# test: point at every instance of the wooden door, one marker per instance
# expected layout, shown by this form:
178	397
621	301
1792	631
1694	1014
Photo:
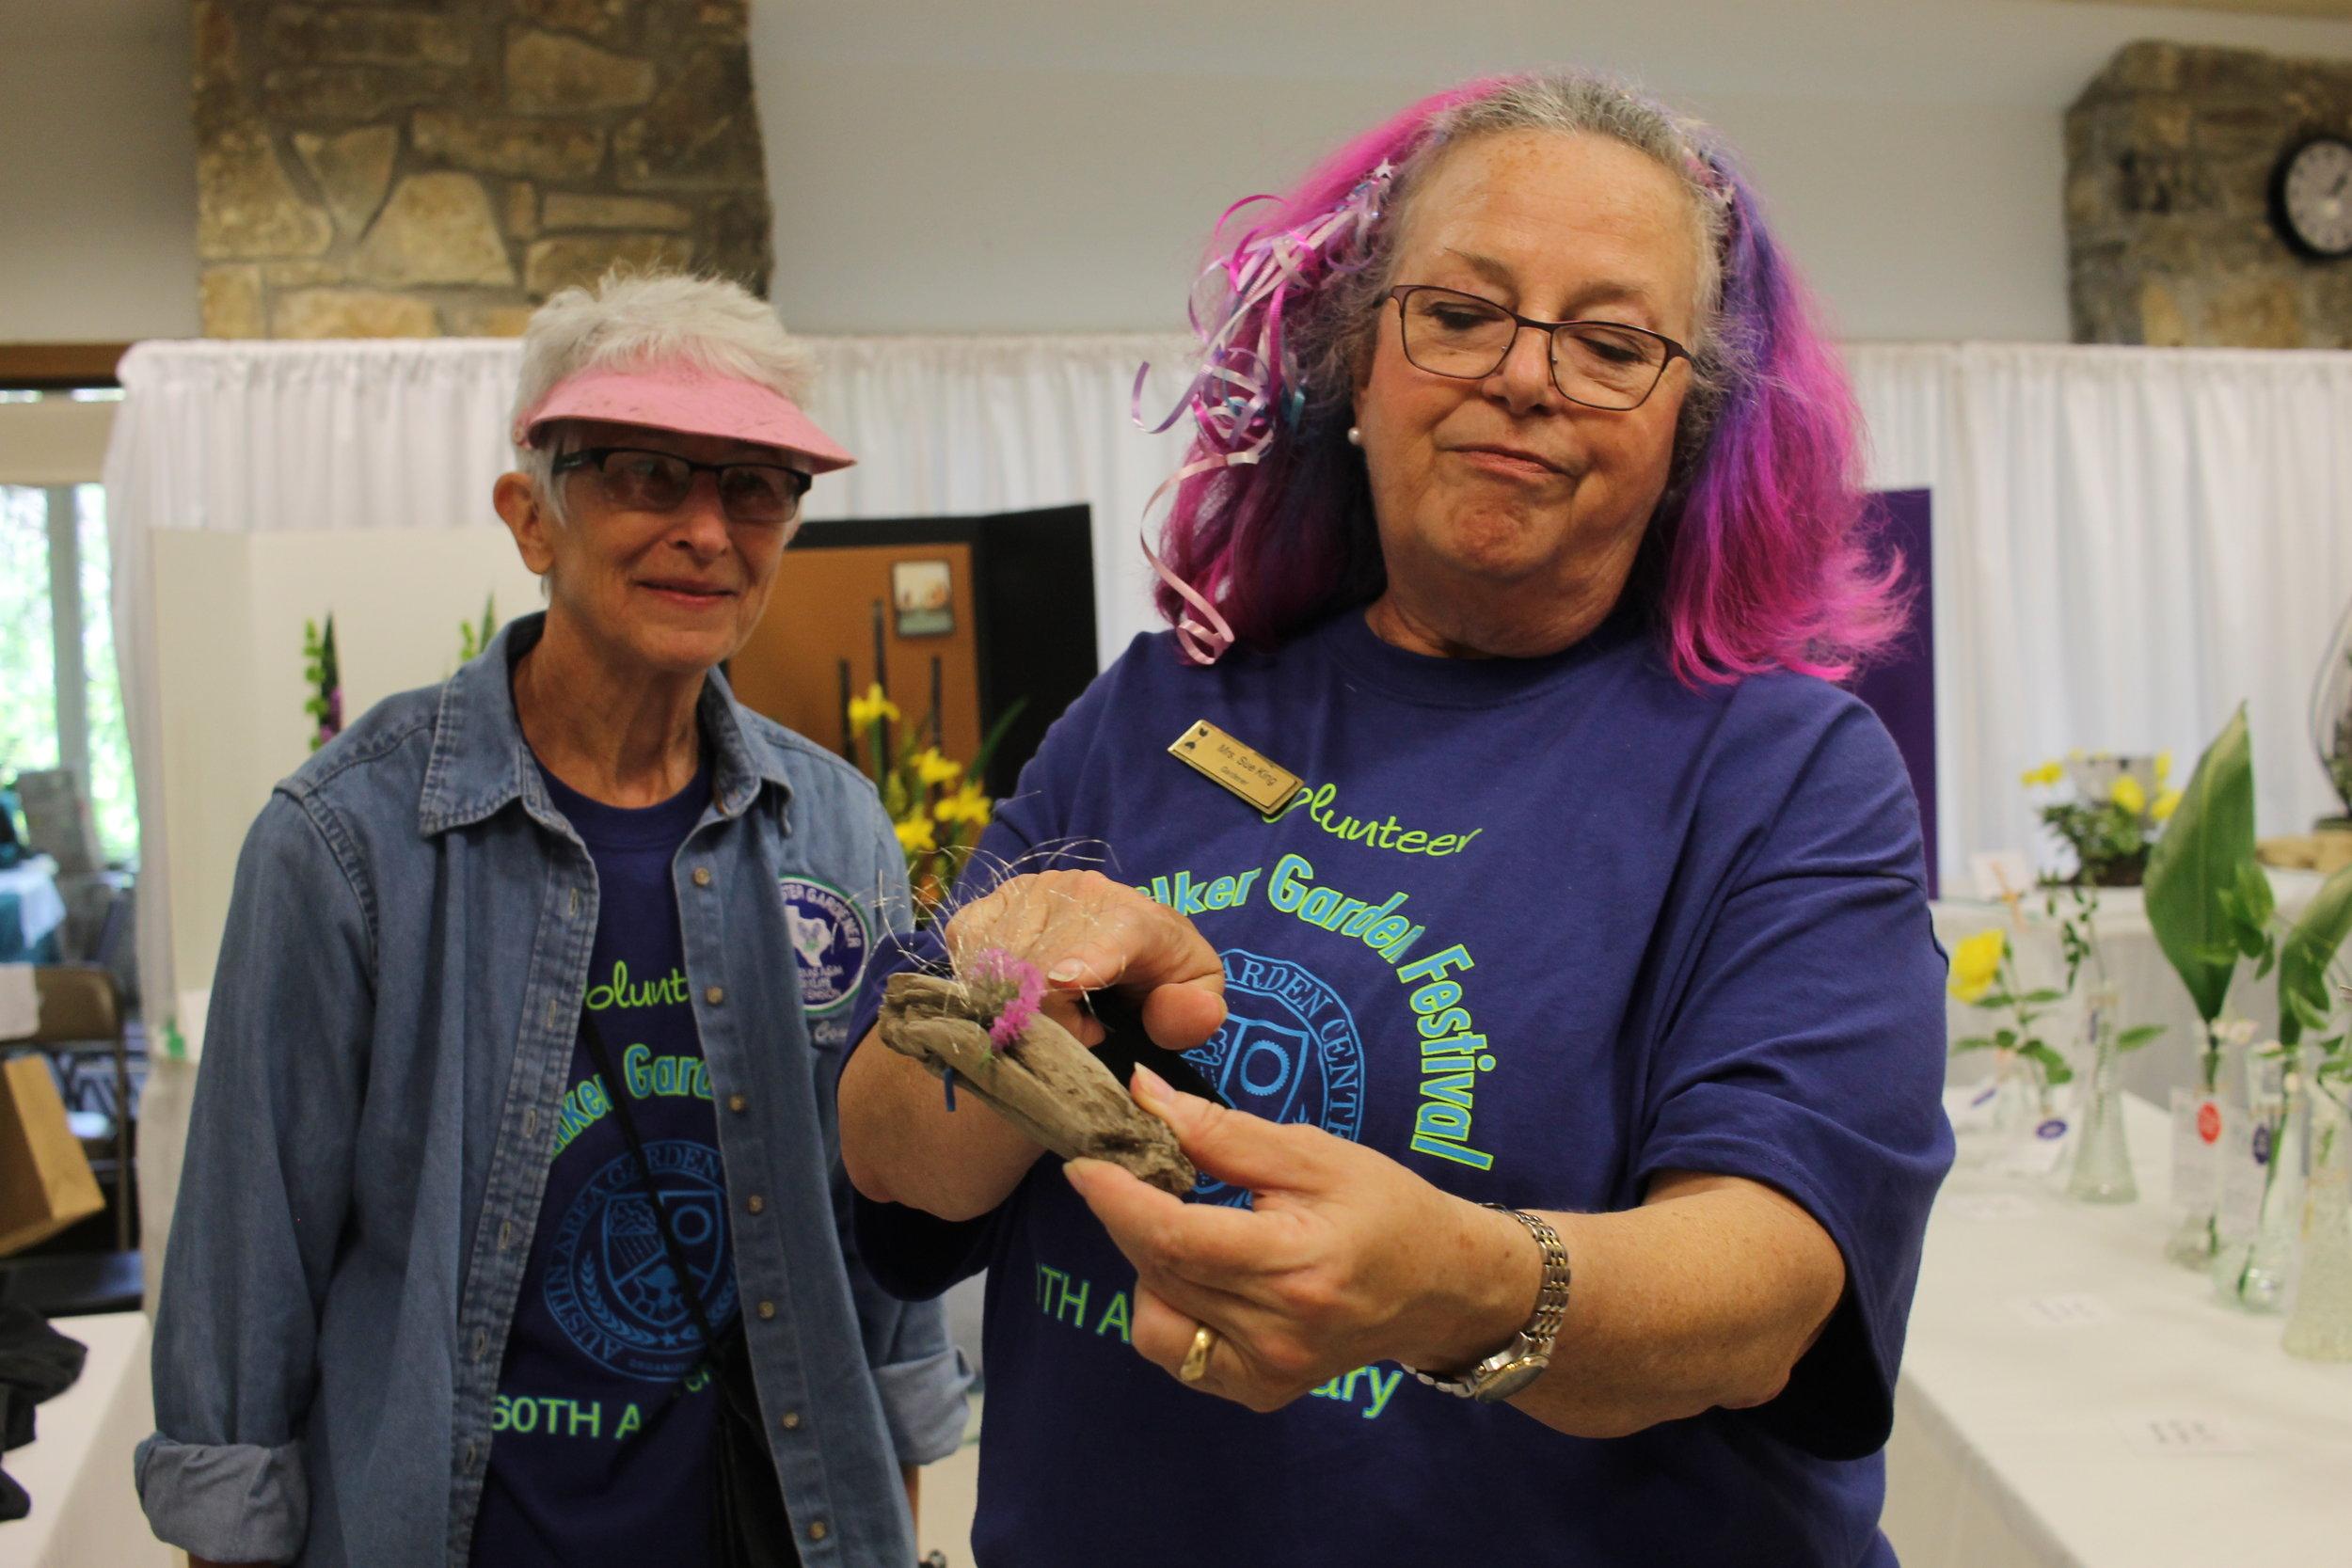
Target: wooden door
823	612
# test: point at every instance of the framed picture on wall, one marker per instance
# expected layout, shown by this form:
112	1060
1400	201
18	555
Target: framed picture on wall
920	596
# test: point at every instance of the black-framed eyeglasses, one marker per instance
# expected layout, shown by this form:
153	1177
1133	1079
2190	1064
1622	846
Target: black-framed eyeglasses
642	480
1598	364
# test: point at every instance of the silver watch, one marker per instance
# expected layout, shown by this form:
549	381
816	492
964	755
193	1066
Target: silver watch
1524	1359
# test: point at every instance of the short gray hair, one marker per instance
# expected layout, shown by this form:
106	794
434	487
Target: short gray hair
1336	339
628	318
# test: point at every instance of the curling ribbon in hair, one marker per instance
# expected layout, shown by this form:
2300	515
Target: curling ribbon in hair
1245	394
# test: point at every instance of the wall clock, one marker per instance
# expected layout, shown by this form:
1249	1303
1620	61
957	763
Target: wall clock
2310	197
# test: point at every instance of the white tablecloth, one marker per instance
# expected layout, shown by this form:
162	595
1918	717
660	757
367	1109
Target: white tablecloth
85	1512
2046	1334
41	908
2149	988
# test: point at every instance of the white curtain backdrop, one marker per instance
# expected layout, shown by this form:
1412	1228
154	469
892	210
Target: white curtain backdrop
261	437
2127	542
950	425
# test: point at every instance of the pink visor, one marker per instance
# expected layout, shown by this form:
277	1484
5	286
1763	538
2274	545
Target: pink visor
691	401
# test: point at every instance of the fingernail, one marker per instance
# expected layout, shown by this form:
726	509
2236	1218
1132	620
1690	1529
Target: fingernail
1149	1084
1066	972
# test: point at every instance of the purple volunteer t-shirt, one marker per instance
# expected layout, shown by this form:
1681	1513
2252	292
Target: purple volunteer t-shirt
604	1422
1537	929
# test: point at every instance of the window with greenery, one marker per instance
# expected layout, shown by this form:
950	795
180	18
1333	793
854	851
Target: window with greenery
55	577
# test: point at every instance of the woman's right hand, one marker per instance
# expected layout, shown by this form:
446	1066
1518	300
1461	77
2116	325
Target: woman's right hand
1087	932
1083	932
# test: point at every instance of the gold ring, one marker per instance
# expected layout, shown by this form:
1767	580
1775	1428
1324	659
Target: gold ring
1196	1365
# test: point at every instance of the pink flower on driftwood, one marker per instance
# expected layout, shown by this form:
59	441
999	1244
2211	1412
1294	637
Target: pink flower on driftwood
1018	985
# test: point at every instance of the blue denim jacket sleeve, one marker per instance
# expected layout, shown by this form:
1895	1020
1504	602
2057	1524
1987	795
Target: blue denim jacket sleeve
269	1162
921	1375
922	1378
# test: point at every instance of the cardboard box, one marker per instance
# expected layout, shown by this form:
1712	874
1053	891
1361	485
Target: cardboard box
46	1183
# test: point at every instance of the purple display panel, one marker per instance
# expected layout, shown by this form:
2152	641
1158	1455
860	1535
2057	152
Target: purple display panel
1900	685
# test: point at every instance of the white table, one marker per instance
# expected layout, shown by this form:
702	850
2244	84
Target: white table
2149	988
2011	1443
85	1512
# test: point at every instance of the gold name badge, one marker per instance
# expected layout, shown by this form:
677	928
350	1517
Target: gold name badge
1263	783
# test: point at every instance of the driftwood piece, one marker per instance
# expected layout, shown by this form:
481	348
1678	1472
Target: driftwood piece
1043	1082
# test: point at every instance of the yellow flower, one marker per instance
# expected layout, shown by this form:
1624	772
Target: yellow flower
915	837
935	770
2163	765
2048	773
2126	792
967	804
1977	962
874	704
2166	804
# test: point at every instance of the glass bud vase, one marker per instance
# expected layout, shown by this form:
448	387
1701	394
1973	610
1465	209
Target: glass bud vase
2196	1238
2011	1107
2256	1270
2018	1096
2320	1328
2102	1155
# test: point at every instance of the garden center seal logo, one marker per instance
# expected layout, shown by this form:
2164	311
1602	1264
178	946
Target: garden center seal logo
830	943
608	1282
1288	1051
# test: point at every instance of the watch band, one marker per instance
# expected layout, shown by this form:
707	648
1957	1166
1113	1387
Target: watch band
1518	1363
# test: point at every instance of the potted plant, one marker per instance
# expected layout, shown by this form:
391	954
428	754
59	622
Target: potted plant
2116	808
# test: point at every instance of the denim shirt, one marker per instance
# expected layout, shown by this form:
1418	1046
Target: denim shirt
396	1002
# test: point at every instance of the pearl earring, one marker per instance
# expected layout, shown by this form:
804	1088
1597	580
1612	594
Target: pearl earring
1355	435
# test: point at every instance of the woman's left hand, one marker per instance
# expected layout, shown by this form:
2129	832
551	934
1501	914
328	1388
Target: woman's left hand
1346	1257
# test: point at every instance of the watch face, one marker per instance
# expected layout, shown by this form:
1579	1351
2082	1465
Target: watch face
2315	196
1507	1381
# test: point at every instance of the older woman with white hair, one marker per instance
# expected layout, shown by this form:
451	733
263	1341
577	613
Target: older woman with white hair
509	1227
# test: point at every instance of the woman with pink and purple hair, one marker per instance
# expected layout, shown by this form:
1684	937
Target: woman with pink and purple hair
1565	1029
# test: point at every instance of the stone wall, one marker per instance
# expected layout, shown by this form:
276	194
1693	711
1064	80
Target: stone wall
439	166
2169	154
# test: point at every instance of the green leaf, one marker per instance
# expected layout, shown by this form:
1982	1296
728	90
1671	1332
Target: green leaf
2053	1067
2042	998
2208	843
2006	1040
2254	891
2139	1034
1972	1043
2304	1001
995	738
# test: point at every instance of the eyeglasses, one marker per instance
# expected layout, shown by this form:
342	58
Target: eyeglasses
644	481
1598	364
